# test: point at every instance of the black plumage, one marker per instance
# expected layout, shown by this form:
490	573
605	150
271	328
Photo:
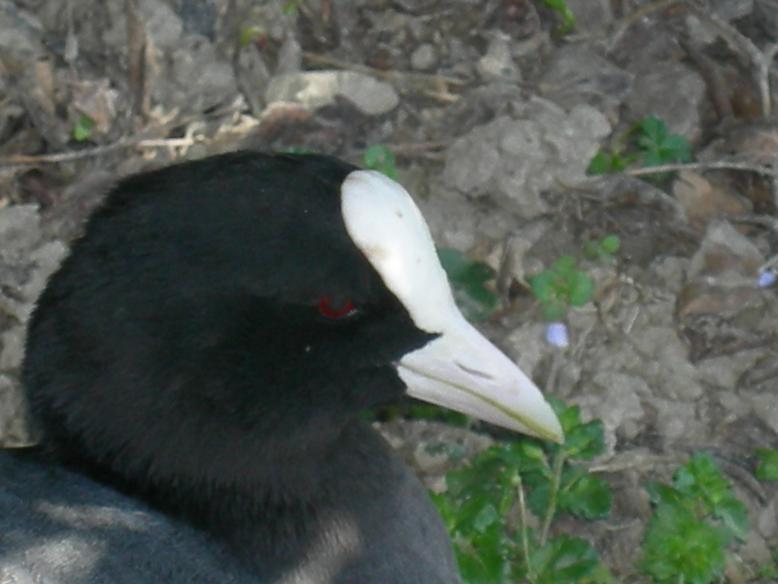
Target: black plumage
179	354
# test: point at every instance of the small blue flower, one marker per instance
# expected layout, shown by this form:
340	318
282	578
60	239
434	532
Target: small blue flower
556	334
765	279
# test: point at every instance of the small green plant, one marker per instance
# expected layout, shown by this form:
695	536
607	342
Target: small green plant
487	512
564	284
291	7
767	469
252	34
568	18
83	129
469	280
694	521
651	143
658	145
603	249
380	157
609	162
561	286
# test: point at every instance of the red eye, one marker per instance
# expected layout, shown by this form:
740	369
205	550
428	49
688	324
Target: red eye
328	309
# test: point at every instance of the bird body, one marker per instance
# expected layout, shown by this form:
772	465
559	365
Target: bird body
211	339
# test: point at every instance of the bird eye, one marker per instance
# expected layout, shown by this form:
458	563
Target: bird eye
336	310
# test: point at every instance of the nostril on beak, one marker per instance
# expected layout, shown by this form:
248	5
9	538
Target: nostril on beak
474	372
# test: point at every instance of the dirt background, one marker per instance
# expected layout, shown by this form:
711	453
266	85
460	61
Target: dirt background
493	116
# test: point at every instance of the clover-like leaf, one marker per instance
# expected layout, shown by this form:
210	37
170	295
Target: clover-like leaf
553	310
584	441
589	497
381	158
83	129
610	244
564	559
767	469
468	279
602	163
581	289
662	494
701	478
679	547
734	515
543	286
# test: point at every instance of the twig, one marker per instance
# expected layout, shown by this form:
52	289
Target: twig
559	463
641	464
167	142
765	221
717	165
524	530
136	59
763	65
140	140
56	157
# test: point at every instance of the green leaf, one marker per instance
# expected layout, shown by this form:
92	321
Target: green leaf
569	416
652	158
734	516
290	7
531	452
608	163
767	469
82	131
454	262
526	456
468	279
591	249
543	286
653	131
659	146
250	34
661	494
539	498
564	559
476	301
568	18
582	289
701	478
380	157
553	310
610	244
589	497
584	441
680	548
447	509
485	518
602	163
483	557
675	148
